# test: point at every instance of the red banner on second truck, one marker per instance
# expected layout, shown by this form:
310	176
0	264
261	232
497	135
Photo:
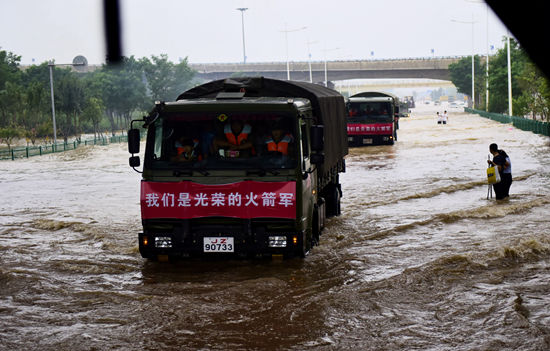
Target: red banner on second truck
247	199
370	129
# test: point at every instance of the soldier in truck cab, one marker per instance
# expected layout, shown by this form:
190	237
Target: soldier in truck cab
235	141
279	141
187	150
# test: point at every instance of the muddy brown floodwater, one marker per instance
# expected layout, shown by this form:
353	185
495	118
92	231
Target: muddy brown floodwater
419	259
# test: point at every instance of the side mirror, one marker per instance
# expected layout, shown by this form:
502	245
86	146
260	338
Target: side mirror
134	161
133	141
317	159
317	138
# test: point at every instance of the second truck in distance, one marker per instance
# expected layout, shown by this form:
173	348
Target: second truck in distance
373	118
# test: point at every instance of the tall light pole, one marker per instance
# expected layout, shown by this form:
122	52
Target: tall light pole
309	60
509	75
487	61
51	65
472	22
286	31
487	44
243	9
326	71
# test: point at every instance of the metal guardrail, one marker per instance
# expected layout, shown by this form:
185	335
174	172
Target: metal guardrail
29	151
537	127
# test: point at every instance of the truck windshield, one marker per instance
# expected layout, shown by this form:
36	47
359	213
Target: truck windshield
206	141
369	112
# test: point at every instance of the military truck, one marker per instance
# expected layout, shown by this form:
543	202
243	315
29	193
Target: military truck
373	118
240	167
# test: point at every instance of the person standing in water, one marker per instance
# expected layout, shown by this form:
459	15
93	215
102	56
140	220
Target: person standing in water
504	165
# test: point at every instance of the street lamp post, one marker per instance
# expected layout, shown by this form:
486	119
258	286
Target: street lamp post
51	64
286	31
472	22
509	75
243	9
309	60
326	71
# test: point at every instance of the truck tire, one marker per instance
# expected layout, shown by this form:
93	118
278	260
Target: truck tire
315	229
304	245
333	200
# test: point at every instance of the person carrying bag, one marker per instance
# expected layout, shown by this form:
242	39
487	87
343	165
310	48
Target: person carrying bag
501	176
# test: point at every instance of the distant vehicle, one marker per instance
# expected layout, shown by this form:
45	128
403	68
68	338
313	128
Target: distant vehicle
404	110
243	167
410	101
373	118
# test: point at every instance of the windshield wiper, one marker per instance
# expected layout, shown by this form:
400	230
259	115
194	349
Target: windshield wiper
202	171
261	171
189	172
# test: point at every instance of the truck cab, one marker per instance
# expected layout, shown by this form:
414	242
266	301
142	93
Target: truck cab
373	118
226	174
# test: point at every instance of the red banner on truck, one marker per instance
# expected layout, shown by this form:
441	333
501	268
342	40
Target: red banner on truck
370	129
246	199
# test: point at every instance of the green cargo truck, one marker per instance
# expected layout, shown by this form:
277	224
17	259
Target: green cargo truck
245	167
373	118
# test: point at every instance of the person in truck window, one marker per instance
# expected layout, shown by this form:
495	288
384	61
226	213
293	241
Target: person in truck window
279	141
236	140
187	150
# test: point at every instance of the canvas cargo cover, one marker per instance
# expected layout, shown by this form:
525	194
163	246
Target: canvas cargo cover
327	104
376	94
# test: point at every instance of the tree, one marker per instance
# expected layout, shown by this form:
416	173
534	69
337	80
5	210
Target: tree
536	93
69	101
461	76
8	134
166	80
9	68
93	111
35	109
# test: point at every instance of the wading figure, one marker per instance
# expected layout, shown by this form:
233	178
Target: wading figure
504	165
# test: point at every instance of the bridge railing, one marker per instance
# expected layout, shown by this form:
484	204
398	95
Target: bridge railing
537	127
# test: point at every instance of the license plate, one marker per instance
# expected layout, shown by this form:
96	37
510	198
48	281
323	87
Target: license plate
367	141
218	244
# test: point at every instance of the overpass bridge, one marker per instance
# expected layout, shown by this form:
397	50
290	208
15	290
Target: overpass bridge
413	68
418	68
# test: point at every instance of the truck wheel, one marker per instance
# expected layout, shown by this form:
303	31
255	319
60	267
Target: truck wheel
315	229
304	245
333	201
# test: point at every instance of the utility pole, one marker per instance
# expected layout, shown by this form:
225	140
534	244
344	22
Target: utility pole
51	65
243	9
309	60
509	77
286	31
472	22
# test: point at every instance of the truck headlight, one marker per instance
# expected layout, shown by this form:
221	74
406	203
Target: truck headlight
277	241
163	242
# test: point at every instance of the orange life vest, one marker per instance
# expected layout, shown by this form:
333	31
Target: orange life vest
239	139
281	146
189	156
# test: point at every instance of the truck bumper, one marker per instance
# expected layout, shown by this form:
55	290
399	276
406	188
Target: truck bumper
364	140
220	242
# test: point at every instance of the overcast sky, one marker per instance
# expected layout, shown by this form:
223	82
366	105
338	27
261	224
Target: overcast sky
210	30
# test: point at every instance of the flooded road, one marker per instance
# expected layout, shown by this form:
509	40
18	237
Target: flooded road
419	259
